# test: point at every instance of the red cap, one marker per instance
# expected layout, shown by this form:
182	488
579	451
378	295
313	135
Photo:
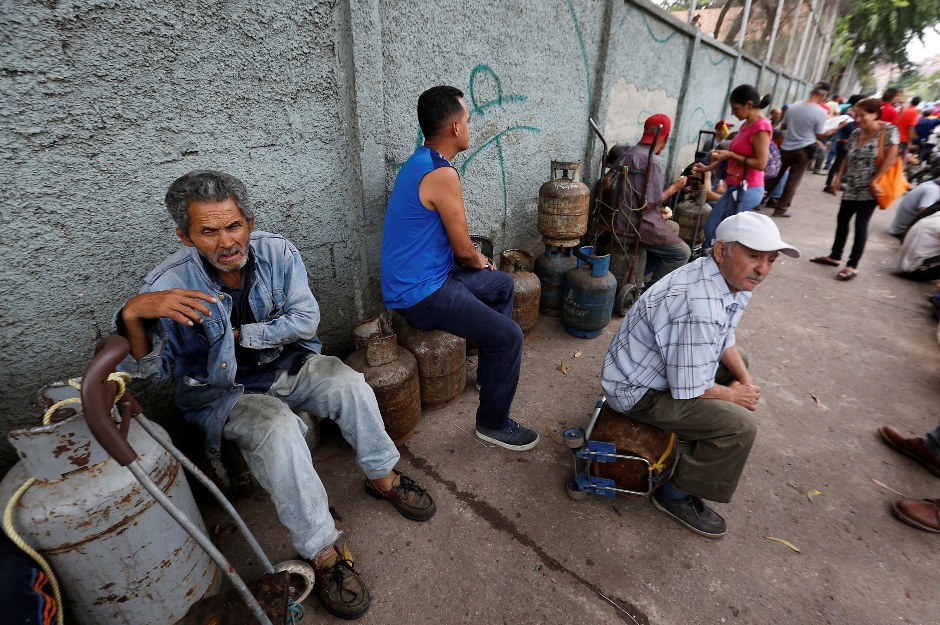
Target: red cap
723	122
649	127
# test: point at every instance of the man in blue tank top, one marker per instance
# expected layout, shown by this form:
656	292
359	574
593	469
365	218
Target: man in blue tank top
437	280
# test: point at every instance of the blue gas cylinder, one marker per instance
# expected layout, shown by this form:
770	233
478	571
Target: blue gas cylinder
587	299
551	269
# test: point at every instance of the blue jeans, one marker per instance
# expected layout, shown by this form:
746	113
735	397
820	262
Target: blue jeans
271	439
477	305
664	259
727	206
778	190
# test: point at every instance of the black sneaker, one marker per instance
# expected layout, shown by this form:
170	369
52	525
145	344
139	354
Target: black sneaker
693	513
514	436
771	203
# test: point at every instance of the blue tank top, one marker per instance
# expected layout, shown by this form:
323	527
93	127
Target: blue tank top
416	253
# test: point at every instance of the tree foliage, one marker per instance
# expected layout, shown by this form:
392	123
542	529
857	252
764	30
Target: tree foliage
881	29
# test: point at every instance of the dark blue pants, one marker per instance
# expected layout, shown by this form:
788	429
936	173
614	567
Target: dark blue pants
477	305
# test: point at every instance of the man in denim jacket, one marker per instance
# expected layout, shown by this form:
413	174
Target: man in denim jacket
231	316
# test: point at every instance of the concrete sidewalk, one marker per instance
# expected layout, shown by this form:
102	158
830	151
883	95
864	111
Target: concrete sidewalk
835	360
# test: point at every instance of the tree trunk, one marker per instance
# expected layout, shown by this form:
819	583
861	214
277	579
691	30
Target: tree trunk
721	17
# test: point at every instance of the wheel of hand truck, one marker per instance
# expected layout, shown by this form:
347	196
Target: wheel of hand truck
626	298
302	578
574	491
574	437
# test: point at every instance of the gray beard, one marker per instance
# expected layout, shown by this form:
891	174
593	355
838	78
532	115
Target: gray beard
222	268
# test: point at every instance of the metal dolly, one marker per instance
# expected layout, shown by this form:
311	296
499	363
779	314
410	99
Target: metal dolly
589	451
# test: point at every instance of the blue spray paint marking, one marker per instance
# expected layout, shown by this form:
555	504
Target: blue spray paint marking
499	100
584	58
480	109
712	59
646	22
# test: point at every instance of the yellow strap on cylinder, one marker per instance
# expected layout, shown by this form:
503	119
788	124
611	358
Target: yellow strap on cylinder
661	463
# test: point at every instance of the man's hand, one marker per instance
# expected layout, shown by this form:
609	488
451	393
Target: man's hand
180	305
745	395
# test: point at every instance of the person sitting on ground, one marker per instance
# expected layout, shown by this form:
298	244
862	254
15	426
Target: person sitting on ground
437	280
675	364
919	255
232	318
914	202
639	216
804	123
921	513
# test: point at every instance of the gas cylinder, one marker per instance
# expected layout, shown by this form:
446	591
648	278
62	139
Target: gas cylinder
442	370
118	555
587	299
550	269
564	204
621	260
392	372
687	215
528	288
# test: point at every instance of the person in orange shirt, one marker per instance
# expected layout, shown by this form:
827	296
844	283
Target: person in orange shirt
909	118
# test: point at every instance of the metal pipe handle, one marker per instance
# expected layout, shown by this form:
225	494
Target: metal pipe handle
98	399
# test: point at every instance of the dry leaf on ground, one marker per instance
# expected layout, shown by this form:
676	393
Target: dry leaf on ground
886	487
816	399
577	354
784	542
812	494
563	368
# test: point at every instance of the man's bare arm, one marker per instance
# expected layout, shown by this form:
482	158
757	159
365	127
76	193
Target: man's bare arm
440	191
180	305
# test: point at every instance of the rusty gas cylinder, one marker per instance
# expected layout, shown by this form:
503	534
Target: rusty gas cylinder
688	213
442	369
633	438
392	372
119	557
564	204
528	288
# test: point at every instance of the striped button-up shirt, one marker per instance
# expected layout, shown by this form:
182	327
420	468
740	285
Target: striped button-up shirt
673	336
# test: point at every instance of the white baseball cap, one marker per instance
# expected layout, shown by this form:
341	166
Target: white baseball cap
756	231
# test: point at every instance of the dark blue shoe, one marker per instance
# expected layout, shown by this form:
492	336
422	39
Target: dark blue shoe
693	513
514	436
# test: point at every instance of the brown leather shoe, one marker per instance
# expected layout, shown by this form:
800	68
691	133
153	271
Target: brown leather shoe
338	586
411	501
911	446
923	514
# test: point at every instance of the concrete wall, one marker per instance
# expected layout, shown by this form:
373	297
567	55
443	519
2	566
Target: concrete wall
312	105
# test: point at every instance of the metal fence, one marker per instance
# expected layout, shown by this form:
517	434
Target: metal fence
793	35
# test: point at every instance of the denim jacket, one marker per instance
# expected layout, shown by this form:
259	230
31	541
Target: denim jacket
202	356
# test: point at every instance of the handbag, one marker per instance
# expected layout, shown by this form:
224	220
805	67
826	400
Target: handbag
893	183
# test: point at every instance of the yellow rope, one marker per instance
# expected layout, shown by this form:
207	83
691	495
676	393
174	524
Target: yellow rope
121	379
661	463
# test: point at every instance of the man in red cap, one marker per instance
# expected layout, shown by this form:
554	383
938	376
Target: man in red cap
640	216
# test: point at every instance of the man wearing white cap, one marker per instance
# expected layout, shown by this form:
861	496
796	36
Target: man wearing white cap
674	364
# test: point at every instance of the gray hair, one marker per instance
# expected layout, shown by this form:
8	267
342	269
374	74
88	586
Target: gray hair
205	185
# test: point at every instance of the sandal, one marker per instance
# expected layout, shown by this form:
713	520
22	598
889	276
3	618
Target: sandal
846	274
825	260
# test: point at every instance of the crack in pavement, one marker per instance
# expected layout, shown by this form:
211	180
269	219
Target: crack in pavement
500	522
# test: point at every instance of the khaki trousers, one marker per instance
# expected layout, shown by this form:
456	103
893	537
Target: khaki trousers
716	437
